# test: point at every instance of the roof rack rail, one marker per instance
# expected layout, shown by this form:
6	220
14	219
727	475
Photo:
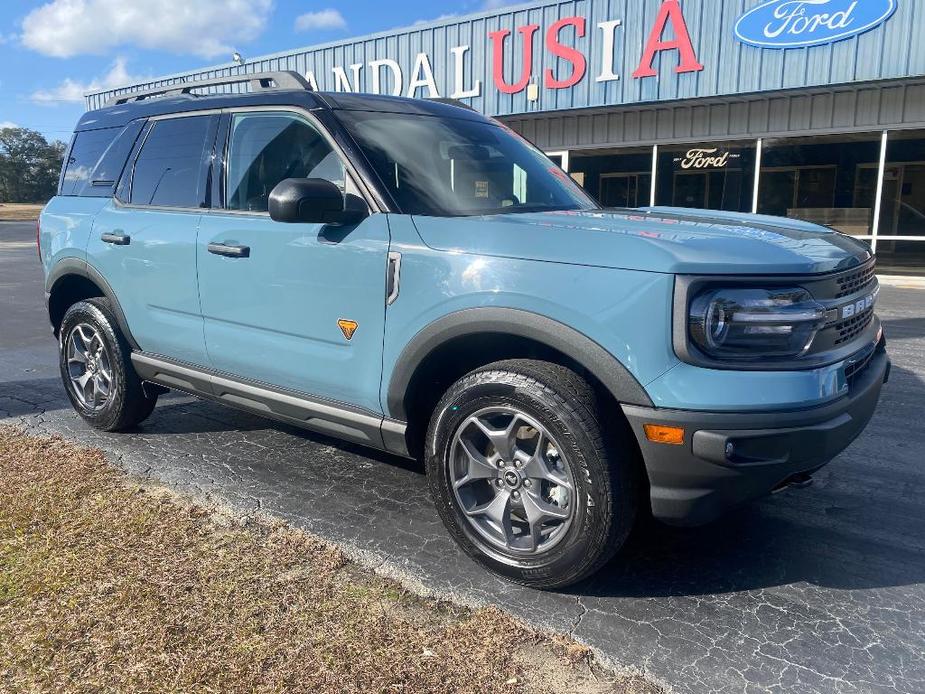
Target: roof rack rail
450	102
259	81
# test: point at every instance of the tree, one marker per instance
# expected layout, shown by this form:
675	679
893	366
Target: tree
29	165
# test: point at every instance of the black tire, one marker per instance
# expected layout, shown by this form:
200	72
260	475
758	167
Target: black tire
127	404
603	463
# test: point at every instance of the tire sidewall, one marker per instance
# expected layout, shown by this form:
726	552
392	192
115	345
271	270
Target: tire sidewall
592	489
95	314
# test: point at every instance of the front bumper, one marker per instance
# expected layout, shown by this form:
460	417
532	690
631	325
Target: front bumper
728	458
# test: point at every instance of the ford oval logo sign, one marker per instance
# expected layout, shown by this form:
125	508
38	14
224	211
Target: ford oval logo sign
798	23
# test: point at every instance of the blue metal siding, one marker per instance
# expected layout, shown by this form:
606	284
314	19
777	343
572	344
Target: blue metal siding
892	50
806	111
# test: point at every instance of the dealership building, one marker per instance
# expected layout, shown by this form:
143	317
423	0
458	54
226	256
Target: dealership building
813	109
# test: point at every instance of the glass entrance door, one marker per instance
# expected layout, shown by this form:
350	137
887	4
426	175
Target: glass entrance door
708	190
625	189
903	212
902	216
711	175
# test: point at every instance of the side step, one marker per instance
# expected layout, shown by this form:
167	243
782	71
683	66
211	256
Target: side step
324	416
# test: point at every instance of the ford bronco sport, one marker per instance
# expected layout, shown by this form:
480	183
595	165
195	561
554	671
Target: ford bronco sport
415	277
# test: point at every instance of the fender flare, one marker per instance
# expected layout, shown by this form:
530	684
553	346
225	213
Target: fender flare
507	321
81	268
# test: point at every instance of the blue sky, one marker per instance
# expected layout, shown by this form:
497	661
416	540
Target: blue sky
52	51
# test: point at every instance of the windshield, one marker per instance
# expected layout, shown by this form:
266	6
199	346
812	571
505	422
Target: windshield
447	167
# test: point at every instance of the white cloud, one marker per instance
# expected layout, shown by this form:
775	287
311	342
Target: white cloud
206	28
72	91
321	20
7	124
486	6
421	22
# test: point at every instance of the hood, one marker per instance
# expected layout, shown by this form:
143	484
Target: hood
657	239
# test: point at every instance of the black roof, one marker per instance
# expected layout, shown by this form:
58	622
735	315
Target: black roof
122	114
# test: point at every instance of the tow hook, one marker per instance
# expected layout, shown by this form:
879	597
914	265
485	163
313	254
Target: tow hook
801	480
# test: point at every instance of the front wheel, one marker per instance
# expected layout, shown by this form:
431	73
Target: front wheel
525	478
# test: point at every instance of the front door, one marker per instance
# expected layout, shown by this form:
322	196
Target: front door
144	243
303	307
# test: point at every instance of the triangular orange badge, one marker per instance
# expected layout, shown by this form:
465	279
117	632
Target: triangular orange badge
347	327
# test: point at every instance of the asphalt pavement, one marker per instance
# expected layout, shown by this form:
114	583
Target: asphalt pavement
817	590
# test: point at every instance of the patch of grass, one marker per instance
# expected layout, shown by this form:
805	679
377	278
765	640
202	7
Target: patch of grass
19	212
109	585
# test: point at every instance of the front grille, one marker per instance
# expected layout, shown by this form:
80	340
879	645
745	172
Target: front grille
859	364
853	282
847	292
850	328
854	370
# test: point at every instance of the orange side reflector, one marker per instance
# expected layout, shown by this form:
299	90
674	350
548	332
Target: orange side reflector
347	327
659	433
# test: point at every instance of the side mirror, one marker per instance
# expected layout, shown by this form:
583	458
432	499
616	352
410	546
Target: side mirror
314	201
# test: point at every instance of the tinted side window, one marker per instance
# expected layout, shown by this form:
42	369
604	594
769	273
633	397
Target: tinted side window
459	166
86	151
169	168
267	148
107	171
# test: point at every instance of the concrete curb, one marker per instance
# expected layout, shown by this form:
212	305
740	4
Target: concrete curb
903	281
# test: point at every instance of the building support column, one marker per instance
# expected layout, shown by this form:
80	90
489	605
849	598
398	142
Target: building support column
654	173
758	147
563	155
878	200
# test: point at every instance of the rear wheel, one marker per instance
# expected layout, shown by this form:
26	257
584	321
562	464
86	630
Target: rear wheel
97	371
524	477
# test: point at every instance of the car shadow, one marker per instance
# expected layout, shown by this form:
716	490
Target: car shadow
202	416
904	328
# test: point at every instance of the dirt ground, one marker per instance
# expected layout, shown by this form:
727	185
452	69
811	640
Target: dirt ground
107	584
19	212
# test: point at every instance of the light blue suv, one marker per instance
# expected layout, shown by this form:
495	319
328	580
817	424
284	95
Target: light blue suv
415	277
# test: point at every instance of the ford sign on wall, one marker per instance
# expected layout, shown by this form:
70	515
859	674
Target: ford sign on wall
799	23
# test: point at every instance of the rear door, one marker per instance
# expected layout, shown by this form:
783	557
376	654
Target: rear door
144	240
303	307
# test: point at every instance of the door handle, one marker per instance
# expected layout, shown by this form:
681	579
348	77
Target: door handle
117	239
230	250
393	281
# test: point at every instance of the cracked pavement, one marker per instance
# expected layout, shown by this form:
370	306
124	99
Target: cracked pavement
820	590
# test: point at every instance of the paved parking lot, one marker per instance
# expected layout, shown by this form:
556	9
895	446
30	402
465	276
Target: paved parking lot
820	590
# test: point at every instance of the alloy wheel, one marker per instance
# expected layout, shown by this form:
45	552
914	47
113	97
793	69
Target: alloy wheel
511	481
89	366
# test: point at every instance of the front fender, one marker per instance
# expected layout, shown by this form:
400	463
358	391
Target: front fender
508	321
616	323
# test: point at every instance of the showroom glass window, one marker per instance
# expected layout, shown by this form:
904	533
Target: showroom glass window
267	148
169	169
826	180
707	175
902	210
619	178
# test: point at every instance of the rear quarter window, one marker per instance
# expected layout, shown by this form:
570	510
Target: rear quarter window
96	160
86	151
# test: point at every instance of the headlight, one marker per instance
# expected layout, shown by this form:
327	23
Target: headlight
746	324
